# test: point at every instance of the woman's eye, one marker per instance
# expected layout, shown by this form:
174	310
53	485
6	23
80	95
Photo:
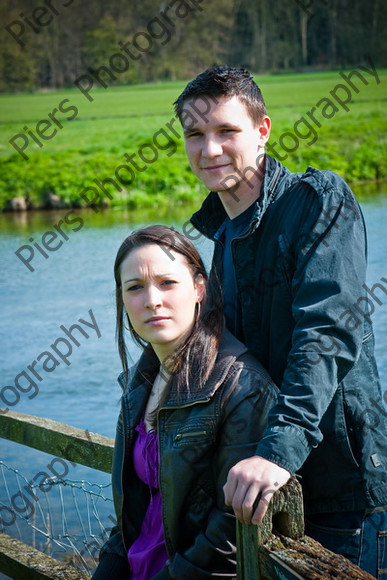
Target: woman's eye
133	288
169	282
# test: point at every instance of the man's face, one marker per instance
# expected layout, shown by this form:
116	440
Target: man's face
223	142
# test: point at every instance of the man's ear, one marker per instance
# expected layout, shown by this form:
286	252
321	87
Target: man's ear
264	131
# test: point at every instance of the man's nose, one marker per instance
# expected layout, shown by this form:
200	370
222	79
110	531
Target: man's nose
212	147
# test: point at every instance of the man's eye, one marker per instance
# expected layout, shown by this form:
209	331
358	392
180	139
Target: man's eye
169	282
195	134
133	288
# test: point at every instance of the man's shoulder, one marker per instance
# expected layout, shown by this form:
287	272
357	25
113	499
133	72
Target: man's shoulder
321	181
326	186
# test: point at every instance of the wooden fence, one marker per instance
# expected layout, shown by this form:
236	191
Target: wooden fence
277	548
18	560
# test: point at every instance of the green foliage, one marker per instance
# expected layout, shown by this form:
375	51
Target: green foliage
122	119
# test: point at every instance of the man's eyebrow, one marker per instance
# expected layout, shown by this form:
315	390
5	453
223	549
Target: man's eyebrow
190	129
223	125
227	125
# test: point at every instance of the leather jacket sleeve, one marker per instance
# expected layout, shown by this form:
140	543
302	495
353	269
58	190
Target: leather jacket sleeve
113	557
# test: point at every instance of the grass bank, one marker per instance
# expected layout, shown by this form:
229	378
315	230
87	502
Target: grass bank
90	140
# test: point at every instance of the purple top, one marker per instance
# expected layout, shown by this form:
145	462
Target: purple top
148	554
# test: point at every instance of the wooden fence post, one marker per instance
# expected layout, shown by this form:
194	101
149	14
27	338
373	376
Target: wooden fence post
285	513
278	549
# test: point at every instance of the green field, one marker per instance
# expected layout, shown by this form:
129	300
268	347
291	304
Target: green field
121	120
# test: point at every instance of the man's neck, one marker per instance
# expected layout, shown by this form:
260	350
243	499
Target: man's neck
236	200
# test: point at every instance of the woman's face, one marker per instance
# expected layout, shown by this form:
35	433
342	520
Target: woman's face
160	296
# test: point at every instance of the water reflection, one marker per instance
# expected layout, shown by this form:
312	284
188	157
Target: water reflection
37	221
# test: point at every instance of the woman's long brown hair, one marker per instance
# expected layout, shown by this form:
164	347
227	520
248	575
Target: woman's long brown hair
193	361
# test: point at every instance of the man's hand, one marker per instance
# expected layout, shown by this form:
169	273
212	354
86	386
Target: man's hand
246	480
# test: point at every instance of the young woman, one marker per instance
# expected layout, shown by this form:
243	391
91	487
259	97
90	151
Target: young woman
194	405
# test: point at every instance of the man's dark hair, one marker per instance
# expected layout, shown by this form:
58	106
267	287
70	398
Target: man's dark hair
225	81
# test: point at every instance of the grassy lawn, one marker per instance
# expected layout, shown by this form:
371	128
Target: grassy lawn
121	119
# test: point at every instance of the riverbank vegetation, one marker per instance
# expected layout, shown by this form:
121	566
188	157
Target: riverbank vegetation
121	120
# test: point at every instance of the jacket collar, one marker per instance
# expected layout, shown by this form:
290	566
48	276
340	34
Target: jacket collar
211	217
143	374
230	350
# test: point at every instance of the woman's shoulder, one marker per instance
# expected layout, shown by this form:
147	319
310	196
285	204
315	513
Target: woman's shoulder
145	369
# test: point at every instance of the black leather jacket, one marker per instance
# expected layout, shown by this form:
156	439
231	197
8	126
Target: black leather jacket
201	436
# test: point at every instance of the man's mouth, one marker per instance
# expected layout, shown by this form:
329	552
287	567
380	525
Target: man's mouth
215	167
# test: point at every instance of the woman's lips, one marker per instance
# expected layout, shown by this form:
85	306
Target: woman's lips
156	320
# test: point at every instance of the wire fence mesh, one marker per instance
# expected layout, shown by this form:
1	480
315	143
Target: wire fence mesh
64	518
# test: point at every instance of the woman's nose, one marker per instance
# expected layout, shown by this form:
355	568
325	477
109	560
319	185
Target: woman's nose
153	298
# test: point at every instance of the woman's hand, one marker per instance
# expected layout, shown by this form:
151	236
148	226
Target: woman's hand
248	479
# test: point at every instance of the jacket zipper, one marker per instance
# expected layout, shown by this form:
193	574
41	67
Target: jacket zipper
122	476
180	436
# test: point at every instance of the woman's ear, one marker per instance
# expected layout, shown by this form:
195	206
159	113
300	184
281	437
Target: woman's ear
200	285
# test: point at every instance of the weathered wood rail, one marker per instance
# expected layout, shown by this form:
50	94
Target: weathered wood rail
20	561
17	560
275	549
71	443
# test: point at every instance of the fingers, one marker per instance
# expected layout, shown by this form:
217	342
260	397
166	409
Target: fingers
261	508
249	480
243	501
241	494
229	488
250	502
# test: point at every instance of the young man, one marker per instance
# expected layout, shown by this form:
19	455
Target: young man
290	251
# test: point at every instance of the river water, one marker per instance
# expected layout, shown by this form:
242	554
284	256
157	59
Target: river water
78	278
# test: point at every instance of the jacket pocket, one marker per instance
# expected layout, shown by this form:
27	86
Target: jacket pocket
337	428
349	445
344	541
193	433
382	555
284	262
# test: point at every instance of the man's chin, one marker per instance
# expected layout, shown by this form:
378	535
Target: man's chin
220	184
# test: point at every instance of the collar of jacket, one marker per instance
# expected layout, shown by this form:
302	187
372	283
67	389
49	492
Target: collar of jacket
211	217
143	374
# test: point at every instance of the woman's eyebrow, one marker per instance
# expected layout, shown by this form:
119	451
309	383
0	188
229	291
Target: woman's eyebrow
160	275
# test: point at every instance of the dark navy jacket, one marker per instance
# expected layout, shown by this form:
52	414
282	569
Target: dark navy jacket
300	273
